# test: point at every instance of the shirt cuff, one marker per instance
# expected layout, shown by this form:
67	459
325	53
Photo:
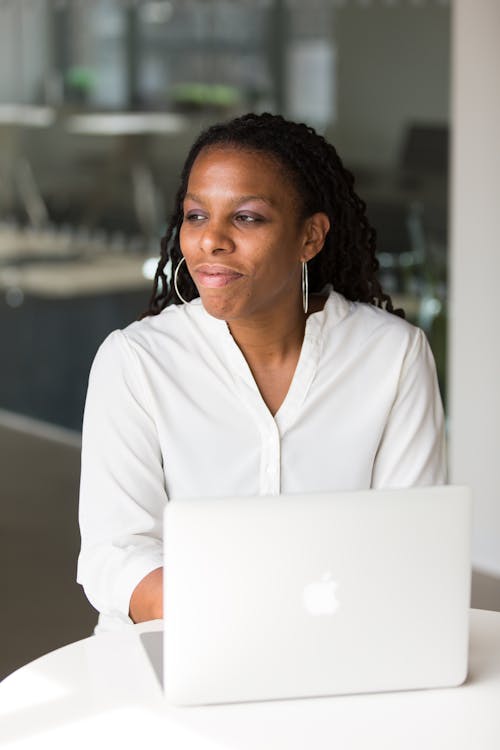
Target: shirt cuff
109	584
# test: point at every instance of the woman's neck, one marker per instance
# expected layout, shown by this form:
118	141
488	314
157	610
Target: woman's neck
272	349
271	339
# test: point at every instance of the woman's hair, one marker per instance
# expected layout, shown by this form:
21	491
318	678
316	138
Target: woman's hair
347	260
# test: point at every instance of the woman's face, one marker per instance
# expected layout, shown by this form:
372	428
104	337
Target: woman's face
243	236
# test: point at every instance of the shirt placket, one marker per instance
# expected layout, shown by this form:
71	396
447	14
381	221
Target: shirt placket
270	461
269	435
271	429
268	430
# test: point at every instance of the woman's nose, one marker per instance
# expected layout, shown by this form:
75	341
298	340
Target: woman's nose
215	238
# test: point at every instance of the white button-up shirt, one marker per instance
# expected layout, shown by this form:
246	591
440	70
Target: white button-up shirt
173	411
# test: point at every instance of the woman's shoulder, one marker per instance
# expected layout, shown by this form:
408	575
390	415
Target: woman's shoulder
366	324
368	316
176	325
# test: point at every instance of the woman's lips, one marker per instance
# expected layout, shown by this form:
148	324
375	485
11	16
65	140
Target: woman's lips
216	276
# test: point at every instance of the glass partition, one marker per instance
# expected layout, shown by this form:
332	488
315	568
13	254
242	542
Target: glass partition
99	104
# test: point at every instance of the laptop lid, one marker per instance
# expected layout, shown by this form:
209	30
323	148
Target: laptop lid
316	594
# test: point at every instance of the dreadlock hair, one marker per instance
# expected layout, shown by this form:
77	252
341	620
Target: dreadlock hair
347	260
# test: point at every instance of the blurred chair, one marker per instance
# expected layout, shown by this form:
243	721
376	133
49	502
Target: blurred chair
82	179
424	152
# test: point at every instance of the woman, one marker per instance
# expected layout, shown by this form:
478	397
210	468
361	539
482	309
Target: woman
274	362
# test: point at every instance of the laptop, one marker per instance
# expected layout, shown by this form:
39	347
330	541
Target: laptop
294	596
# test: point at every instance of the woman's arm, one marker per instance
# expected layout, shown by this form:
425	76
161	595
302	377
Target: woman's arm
412	450
122	486
146	602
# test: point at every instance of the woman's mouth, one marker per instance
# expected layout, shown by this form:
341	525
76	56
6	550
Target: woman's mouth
214	276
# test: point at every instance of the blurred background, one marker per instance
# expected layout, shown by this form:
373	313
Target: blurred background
99	103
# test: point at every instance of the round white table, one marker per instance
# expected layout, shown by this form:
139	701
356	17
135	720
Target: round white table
106	689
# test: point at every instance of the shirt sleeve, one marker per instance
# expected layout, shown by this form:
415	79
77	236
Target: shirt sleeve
412	450
122	486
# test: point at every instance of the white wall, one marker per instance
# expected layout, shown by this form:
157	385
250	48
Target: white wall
474	335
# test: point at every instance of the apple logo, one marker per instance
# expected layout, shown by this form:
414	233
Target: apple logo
319	597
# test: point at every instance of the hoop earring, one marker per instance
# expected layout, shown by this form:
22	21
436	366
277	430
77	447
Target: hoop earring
305	287
179	264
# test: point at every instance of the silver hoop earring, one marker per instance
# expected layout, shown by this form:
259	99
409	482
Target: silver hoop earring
179	264
305	287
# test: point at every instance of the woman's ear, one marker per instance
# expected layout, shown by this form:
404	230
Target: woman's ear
317	227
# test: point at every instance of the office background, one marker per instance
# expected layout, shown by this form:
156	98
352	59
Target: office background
99	102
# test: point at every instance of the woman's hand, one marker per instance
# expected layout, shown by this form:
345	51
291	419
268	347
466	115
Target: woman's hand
146	602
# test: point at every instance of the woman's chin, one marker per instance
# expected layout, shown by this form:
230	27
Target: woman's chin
219	307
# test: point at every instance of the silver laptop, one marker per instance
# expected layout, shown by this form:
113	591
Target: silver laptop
316	594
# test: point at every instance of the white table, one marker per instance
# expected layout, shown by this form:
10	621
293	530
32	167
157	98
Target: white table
104	691
26	116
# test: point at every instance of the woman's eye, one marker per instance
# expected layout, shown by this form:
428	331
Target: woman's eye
193	217
247	219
